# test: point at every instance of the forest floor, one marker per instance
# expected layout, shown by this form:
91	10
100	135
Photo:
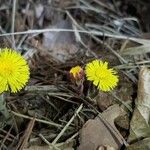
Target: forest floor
54	112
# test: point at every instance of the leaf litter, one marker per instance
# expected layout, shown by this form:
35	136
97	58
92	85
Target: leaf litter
51	112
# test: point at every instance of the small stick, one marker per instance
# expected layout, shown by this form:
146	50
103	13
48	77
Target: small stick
67	125
13	23
39	120
48	143
26	136
6	137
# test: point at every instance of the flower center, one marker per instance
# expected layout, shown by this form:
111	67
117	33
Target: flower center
6	70
101	73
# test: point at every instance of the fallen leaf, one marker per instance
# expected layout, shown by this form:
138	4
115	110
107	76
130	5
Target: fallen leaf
60	45
142	49
140	125
95	133
141	145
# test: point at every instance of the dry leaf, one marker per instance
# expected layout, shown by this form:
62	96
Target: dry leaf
95	133
142	49
141	145
139	126
60	45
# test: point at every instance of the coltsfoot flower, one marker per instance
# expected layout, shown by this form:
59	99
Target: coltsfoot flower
104	78
76	73
14	71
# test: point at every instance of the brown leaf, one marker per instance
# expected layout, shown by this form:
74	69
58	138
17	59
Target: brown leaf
96	133
139	126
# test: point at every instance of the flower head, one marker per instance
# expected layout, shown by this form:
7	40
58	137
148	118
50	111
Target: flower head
77	73
14	71
105	79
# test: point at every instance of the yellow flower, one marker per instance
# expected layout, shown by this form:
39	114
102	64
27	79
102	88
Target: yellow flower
77	72
105	79
14	71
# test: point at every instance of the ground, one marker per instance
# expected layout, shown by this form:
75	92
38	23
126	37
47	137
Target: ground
53	111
